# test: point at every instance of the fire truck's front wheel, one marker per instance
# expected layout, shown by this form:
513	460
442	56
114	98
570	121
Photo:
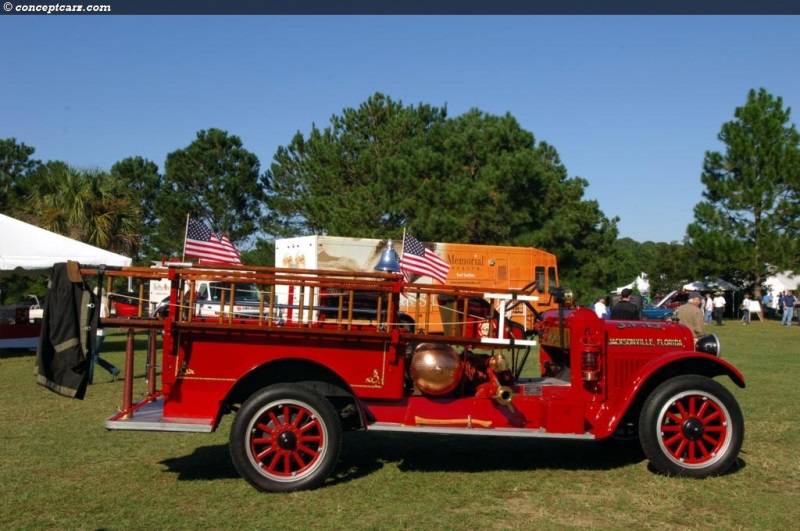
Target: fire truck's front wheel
691	426
286	437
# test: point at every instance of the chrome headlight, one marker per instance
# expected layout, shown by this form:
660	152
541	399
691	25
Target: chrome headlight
710	345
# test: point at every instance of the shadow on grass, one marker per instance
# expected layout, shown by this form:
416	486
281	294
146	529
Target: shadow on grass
17	353
365	453
738	464
203	464
454	453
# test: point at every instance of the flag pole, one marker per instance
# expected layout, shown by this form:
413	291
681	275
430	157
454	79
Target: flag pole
185	235
403	245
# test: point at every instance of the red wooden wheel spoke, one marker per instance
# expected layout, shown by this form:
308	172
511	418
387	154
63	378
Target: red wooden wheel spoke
299	459
274	465
704	449
711	440
314	439
681	409
670	428
712	416
302	430
675	438
692	405
260	457
706	404
696	453
688	454
674	418
700	452
308	451
274	462
680	449
265	428
273	419
300	415
260	441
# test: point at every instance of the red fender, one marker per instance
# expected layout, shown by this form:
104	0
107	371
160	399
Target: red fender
683	362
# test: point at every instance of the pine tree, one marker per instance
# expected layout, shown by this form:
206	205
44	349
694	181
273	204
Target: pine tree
750	219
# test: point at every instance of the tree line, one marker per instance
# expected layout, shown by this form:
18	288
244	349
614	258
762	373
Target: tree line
383	167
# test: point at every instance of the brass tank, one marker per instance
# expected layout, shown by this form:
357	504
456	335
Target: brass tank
435	368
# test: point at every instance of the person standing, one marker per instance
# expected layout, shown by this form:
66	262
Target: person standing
101	336
708	308
746	309
625	310
691	316
787	303
719	307
600	308
766	304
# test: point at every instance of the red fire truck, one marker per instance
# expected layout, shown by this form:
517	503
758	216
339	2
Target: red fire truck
296	381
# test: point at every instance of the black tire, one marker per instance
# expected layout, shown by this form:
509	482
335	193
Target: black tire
626	434
286	437
691	426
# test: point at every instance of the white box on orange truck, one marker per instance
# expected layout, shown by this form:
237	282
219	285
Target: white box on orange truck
485	267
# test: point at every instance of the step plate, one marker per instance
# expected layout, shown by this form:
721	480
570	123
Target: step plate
150	417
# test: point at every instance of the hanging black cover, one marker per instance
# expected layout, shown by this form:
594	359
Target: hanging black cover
69	328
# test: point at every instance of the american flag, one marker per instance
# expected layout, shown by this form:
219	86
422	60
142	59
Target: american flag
209	247
418	259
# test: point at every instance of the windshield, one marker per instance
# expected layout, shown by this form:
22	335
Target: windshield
243	293
666	299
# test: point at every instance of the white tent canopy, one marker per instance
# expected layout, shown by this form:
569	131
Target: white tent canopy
710	284
25	246
781	282
640	284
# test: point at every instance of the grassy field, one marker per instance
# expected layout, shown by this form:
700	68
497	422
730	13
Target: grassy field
60	469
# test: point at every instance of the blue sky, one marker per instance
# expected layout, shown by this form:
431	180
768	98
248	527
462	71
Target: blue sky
631	103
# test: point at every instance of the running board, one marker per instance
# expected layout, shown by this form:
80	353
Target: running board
490	432
149	416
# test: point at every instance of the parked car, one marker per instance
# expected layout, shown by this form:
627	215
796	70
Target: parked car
673	299
124	304
655	313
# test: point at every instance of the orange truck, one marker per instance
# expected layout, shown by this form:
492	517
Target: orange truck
483	267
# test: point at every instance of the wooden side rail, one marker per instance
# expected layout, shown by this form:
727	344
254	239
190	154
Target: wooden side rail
315	300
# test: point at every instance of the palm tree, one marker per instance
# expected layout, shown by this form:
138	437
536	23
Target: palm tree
88	205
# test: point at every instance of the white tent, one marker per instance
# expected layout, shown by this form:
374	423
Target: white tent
781	282
25	246
710	284
640	284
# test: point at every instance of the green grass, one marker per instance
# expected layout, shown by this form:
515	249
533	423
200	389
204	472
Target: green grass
60	469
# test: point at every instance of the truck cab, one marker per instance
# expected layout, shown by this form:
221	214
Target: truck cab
212	295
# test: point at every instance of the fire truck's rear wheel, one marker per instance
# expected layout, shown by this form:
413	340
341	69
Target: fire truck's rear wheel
691	426
286	437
